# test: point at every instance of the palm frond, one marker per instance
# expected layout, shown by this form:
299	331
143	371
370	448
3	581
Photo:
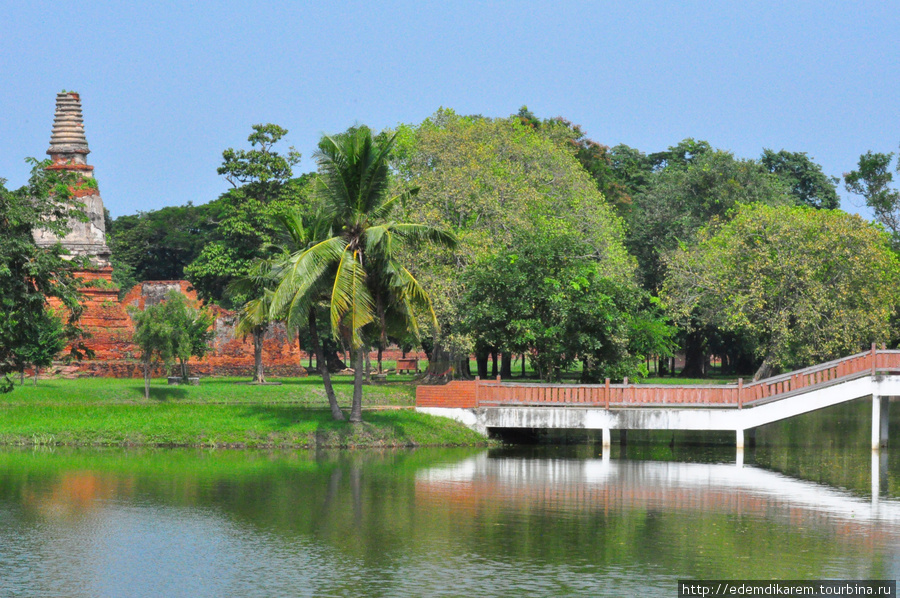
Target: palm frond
421	233
352	305
301	273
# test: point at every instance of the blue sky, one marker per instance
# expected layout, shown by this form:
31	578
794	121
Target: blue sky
167	86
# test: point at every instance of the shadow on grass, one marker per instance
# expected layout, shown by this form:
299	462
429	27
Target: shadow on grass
283	417
162	394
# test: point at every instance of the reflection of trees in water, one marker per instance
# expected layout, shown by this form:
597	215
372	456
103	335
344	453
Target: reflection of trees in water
383	508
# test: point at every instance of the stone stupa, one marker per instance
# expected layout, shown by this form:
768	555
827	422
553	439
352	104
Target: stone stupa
103	318
68	151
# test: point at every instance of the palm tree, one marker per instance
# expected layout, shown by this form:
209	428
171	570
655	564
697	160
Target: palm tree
297	236
253	317
367	287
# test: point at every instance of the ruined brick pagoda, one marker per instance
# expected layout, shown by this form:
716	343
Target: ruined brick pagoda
104	317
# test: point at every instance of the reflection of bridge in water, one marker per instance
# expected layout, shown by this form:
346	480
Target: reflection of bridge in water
483	405
604	485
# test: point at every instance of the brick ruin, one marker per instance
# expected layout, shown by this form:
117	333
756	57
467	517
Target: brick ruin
105	317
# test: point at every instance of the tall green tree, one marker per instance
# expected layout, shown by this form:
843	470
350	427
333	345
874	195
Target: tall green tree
360	261
803	178
685	194
298	235
29	274
244	217
487	180
543	298
691	185
873	180
804	285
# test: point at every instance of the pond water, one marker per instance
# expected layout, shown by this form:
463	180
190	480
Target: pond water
544	521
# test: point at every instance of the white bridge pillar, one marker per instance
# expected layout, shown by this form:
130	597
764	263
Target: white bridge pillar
879	421
739	439
607	440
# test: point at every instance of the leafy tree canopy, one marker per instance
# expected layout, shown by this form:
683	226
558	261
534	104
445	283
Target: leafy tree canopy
159	244
873	180
489	181
695	185
169	330
805	285
803	178
543	298
30	274
245	217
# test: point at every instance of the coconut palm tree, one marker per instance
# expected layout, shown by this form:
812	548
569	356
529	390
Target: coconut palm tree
298	235
253	317
358	264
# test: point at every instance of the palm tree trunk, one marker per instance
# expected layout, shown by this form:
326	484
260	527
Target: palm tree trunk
356	406
322	364
259	374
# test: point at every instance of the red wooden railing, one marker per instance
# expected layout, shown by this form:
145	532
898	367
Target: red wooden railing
496	392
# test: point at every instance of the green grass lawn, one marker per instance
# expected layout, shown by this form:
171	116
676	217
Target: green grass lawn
306	392
218	412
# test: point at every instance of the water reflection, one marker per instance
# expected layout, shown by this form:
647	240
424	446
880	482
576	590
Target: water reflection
428	522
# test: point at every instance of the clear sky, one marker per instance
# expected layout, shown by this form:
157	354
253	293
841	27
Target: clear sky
166	86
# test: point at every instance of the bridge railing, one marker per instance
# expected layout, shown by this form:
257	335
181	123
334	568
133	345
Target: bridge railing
487	393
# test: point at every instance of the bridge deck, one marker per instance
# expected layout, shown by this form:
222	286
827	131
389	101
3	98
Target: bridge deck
738	407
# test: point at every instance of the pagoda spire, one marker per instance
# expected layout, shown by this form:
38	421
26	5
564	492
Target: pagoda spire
68	151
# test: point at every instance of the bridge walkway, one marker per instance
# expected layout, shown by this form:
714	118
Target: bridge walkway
740	407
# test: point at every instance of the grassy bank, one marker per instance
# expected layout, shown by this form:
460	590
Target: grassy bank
218	413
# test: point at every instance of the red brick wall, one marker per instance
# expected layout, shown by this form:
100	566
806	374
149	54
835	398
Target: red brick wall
110	327
458	393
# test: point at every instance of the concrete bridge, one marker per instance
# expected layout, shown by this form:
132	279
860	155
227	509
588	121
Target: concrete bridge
484	404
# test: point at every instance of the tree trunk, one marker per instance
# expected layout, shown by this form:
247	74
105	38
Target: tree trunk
36	370
523	365
333	360
379	357
506	365
22	377
368	365
493	363
322	364
481	361
259	334
765	369
147	380
356	406
444	366
694	356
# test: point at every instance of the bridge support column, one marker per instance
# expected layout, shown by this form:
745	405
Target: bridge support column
739	439
751	437
879	421
607	440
